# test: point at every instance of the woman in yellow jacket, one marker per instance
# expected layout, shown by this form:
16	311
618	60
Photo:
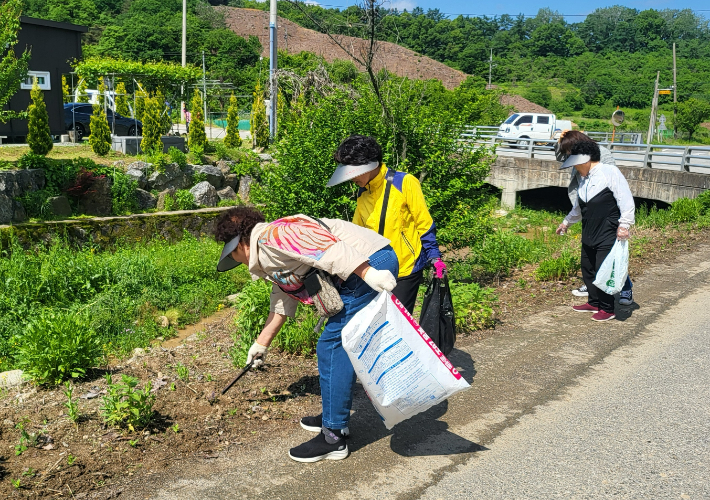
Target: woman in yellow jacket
405	220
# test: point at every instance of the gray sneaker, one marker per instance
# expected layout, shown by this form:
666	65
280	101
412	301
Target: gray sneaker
626	297
581	291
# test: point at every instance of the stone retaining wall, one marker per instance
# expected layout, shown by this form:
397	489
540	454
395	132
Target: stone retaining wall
107	231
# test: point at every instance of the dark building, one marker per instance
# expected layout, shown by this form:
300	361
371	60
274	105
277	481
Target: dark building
53	46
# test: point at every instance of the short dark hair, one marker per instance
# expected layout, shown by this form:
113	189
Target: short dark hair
590	148
237	221
570	137
358	150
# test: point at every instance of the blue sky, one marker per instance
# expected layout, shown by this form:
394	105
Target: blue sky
497	7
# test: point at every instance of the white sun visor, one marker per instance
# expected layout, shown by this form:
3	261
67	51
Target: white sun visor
348	172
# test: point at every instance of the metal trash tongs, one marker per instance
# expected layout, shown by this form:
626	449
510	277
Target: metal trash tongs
241	374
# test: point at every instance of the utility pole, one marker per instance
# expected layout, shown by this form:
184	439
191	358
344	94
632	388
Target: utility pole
490	69
273	65
654	105
204	91
184	53
675	97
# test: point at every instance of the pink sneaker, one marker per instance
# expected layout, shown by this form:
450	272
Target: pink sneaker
603	316
586	308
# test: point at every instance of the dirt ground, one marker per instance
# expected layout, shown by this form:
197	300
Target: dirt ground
192	420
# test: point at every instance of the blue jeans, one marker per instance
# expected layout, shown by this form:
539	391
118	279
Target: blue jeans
337	376
628	285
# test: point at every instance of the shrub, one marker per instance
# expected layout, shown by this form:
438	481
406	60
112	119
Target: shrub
141	96
232	139
56	345
466	227
183	200
123	194
100	138
152	128
39	137
122	107
686	210
473	306
178	157
558	268
197	138
124	405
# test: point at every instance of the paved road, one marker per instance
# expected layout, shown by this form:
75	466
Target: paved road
638	426
549	403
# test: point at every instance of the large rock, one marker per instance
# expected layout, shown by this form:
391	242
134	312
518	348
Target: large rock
162	195
231	180
265	157
7	209
225	166
205	194
172	177
212	174
11	378
146	200
97	200
227	194
138	176
60	207
20	214
245	187
140	165
14	183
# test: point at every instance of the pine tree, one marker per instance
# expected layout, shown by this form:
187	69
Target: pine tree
232	139
259	124
39	136
122	100
198	137
100	138
66	96
141	98
81	91
165	120
151	142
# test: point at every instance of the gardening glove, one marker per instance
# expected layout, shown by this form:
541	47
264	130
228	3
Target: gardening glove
440	268
257	353
622	233
562	229
379	280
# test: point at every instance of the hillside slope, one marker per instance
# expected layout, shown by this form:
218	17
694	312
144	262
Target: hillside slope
294	39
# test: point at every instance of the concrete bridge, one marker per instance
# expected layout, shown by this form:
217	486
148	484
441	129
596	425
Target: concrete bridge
513	174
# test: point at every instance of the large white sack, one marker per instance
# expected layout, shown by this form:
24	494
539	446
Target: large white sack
402	370
612	273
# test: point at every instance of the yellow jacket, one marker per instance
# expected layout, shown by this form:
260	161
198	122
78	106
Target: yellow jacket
408	225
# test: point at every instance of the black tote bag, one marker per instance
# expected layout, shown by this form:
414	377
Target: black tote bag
437	318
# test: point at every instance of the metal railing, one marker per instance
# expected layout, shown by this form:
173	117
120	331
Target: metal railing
627	154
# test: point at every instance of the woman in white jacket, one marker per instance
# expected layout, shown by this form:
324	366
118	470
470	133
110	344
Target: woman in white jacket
362	264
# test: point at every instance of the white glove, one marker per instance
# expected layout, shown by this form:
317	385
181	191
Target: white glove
255	349
379	280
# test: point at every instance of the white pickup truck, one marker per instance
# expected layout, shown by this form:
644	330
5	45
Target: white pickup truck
532	126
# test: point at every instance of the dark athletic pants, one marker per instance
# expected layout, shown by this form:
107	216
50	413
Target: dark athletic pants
407	289
592	258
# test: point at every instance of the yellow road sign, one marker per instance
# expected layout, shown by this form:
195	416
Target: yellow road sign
664	92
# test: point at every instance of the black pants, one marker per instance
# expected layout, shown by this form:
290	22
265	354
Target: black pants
407	289
592	258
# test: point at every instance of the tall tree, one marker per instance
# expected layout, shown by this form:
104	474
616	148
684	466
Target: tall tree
232	139
100	138
39	137
13	69
152	128
122	100
198	137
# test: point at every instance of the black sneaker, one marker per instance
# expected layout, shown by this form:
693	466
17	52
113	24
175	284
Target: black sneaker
315	424
322	447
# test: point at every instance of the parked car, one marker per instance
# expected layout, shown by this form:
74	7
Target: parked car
532	126
77	116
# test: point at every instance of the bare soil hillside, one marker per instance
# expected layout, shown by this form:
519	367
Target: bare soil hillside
522	105
294	39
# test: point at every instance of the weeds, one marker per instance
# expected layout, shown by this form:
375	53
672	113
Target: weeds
183	372
175	428
27	439
71	459
126	405
71	405
473	306
17	483
558	268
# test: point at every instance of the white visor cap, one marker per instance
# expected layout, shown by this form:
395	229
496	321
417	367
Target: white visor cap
348	172
575	160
